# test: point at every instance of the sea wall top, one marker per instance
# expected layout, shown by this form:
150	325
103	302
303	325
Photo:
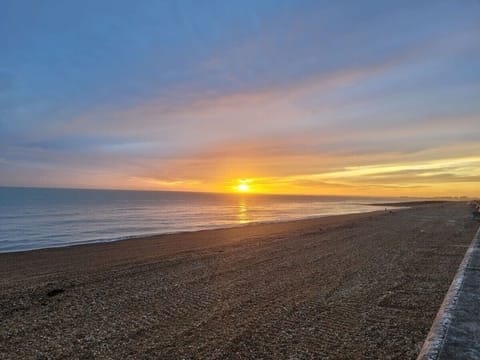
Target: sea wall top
455	333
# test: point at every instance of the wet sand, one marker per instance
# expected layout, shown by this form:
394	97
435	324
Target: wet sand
363	286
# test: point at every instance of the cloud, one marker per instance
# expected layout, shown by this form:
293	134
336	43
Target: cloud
200	119
313	97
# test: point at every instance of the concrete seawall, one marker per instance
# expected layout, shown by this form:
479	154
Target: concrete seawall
455	333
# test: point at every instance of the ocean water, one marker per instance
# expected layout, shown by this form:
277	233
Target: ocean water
33	218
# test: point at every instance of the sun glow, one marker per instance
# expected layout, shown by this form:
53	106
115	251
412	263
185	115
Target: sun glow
243	186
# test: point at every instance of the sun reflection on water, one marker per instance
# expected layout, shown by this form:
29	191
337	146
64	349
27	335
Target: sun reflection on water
243	216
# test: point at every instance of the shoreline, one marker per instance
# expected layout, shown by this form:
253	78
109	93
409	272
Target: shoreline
367	284
394	205
181	232
170	243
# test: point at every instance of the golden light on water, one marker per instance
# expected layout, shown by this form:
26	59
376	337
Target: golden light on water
242	215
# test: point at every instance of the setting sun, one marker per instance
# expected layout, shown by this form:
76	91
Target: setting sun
243	187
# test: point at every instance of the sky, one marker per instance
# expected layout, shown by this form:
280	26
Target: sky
306	97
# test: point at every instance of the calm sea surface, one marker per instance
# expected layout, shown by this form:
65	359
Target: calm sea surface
32	218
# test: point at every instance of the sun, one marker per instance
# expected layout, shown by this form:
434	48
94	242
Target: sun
243	187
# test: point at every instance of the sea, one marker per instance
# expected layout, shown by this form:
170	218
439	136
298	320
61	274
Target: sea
36	218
